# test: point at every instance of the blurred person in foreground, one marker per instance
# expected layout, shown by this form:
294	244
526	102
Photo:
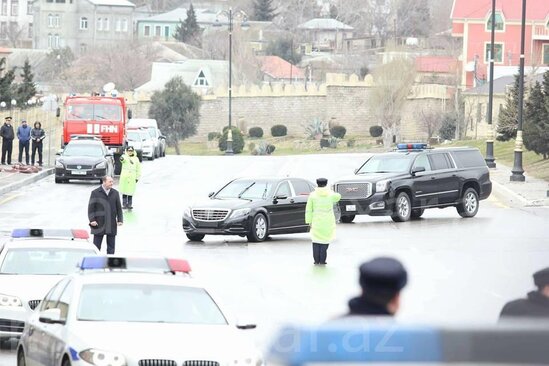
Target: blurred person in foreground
536	303
381	279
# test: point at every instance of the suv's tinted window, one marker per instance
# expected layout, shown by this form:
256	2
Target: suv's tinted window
440	161
423	161
301	187
468	158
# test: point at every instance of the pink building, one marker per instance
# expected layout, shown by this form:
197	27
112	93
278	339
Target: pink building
471	21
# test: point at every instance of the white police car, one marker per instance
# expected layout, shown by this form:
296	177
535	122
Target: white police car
31	262
132	312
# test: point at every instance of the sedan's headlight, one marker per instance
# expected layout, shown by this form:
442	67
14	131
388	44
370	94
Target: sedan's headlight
102	358
6	300
240	212
101	165
382	185
187	212
59	164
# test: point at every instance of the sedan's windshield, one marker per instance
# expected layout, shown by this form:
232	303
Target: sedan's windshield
246	189
47	261
148	303
387	164
92	150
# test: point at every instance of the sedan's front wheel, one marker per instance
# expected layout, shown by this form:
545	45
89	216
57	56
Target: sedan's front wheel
195	237
259	228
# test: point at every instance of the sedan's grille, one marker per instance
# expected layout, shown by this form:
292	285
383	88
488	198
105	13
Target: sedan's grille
33	304
210	215
82	167
8	325
154	362
355	190
200	363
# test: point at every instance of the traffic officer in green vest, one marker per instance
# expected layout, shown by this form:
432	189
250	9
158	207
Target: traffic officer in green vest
131	172
319	213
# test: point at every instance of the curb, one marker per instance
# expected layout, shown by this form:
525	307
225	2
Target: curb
34	178
509	197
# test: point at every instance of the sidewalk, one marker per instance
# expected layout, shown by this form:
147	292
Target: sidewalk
530	193
11	181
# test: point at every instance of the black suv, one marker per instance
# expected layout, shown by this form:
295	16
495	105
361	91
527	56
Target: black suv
402	184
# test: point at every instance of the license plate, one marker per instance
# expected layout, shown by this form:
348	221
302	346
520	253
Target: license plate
79	172
350	208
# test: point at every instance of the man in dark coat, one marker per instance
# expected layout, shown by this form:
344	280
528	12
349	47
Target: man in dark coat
8	134
381	280
105	214
536	303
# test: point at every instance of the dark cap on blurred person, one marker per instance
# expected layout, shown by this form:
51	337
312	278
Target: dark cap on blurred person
541	278
8	118
130	148
382	276
322	182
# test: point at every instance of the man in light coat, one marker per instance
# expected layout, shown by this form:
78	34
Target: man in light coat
131	172
319	213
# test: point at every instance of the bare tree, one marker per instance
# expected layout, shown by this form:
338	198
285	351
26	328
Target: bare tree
392	85
430	121
15	34
128	67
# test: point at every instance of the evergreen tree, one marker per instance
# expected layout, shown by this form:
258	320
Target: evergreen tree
27	89
189	31
264	10
536	122
333	11
177	110
6	81
546	89
508	117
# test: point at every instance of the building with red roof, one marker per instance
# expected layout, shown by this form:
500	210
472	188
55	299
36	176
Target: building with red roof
276	69
471	21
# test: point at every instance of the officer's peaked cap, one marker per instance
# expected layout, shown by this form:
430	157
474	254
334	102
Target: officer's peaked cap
383	275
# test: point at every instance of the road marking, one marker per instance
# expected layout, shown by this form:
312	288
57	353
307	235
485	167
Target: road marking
497	202
10	198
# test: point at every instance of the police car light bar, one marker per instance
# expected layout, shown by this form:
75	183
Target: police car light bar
50	233
414	146
136	264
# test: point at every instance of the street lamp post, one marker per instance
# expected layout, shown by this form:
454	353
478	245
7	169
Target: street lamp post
229	150
490	160
518	171
244	25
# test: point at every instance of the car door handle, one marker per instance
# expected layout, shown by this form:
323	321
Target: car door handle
432	178
292	200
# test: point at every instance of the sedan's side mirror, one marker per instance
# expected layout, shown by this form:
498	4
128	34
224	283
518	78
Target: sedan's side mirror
51	316
211	194
59	152
162	137
280	197
418	169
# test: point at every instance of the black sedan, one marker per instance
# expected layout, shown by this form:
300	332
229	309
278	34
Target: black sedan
255	208
84	159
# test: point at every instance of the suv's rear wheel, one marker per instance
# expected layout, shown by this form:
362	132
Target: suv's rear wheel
259	228
468	207
417	212
403	208
195	237
347	219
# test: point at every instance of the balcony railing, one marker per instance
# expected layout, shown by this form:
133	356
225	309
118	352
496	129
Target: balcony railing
541	32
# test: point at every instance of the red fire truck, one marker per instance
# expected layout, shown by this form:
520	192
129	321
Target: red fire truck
101	116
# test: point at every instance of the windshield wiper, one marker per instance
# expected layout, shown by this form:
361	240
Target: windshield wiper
244	190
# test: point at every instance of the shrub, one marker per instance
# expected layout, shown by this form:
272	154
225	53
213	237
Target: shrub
316	129
263	149
376	131
213	136
279	130
324	143
447	129
238	140
338	131
351	142
256	132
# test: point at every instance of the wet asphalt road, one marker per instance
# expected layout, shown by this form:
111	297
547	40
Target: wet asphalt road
460	270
